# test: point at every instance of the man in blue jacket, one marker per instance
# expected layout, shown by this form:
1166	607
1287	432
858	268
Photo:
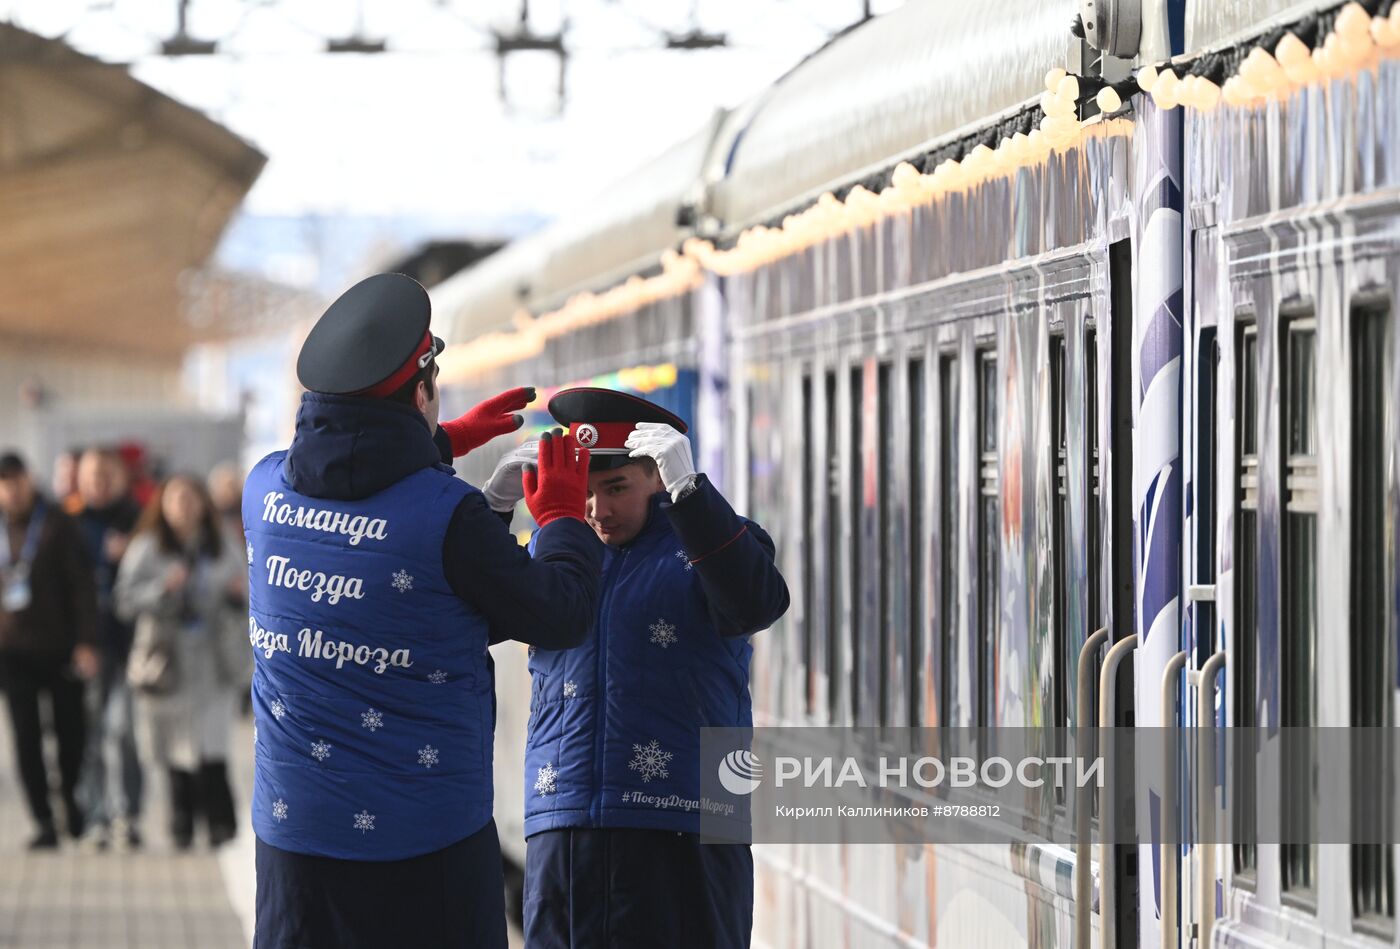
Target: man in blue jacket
612	779
377	581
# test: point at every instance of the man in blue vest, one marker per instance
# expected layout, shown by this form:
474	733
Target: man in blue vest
612	779
377	581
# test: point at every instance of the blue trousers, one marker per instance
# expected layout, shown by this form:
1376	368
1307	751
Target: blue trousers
600	889
453	898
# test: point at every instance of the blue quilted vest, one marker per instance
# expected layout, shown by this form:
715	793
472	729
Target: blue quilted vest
372	690
614	732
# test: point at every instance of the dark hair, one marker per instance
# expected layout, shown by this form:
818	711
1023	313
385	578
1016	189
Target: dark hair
153	520
406	393
11	464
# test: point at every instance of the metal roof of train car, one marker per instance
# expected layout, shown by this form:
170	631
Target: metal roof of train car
890	88
111	190
624	229
484	298
1211	23
620	231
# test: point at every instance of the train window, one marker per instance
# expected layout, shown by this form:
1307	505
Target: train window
1059	697
1091	466
1246	585
988	536
887	654
808	542
1297	660
1092	532
949	428
1203	489
1244	660
916	620
1372	864
833	621
856	508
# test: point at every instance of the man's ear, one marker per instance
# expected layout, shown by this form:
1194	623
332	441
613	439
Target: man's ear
420	396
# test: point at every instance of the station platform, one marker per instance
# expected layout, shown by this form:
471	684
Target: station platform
153	898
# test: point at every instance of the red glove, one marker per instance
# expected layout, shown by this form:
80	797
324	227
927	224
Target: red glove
483	422
559	488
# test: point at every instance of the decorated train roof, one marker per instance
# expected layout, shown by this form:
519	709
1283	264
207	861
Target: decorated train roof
893	86
1210	25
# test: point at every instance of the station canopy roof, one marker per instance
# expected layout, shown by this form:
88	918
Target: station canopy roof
109	192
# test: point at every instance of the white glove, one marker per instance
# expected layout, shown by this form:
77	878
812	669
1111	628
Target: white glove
671	451
504	489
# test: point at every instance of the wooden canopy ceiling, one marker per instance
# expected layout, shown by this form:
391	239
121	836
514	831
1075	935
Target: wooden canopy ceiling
109	191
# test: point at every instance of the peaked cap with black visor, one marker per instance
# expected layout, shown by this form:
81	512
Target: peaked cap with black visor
601	419
371	340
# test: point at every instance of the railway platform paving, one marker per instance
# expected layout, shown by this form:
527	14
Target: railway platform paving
153	898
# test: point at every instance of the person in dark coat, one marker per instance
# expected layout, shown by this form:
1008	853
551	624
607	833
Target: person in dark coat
48	640
377	580
613	792
112	780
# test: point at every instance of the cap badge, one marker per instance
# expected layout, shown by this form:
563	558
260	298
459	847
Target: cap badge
586	436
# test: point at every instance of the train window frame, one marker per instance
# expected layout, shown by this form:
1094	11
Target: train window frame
807	395
1245	621
988	585
1371	619
949	459
1093	523
1297	586
1093	453
1059	554
834	586
885	450
916	370
855	508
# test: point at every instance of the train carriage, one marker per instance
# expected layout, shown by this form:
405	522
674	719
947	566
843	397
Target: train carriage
1002	364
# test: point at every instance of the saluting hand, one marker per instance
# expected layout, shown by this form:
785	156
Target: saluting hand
483	422
557	485
505	488
669	448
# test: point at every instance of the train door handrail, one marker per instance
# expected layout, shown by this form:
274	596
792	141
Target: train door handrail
1084	713
1205	791
1168	859
1107	898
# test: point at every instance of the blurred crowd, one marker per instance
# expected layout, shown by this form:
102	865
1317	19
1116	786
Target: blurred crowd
123	612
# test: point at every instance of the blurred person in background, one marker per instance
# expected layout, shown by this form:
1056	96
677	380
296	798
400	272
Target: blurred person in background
65	480
226	492
138	471
183	582
111	784
48	637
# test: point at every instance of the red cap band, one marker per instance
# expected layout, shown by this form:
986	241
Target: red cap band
402	374
602	436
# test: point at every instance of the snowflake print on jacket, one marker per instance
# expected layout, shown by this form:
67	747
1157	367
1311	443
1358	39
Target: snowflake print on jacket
547	781
681	556
437	677
570	689
427	756
403	581
663	633
320	750
373	719
650	760
278	709
279	810
364	821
